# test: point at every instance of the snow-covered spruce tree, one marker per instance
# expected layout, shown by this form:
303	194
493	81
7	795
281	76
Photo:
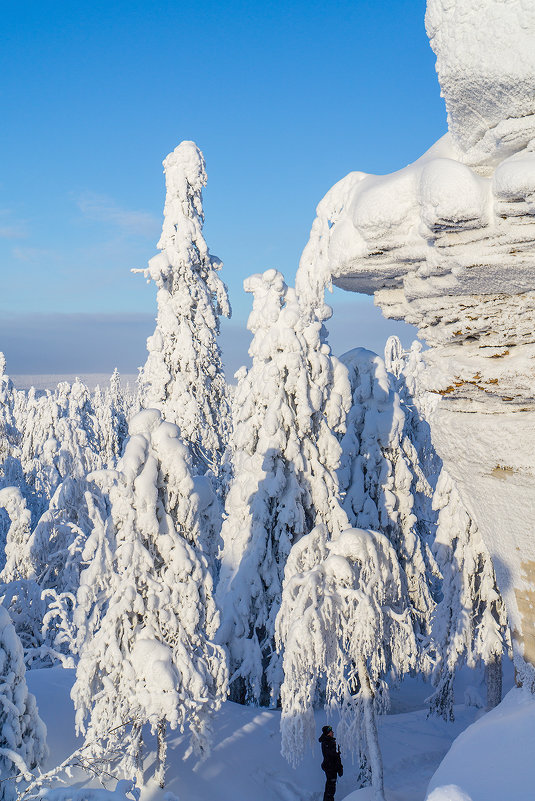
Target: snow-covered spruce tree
10	466
19	591
58	538
56	547
285	455
60	444
382	479
144	615
48	554
407	370
47	559
18	563
343	617
9	434
470	624
60	440
113	408
22	733
183	375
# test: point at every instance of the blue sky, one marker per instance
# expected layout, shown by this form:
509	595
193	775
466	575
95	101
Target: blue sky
284	99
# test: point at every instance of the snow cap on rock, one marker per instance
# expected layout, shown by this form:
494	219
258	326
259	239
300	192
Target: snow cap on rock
485	63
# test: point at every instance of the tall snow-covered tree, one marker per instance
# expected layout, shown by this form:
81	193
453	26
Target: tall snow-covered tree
285	455
408	371
470	624
10	437
9	434
183	375
343	617
382	480
144	617
22	733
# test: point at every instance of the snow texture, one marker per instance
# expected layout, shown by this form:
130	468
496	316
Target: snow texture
124	791
485	64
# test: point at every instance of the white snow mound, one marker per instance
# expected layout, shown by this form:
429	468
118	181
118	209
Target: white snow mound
492	760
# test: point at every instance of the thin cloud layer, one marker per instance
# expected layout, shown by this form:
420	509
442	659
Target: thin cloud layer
103	209
12	228
97	343
74	343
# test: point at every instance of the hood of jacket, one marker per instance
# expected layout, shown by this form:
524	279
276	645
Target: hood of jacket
326	739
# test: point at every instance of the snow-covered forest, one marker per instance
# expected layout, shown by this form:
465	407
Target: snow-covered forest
199	576
290	542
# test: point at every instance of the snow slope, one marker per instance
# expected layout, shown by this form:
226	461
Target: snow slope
245	763
493	759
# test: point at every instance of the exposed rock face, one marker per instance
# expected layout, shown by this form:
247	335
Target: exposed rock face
448	244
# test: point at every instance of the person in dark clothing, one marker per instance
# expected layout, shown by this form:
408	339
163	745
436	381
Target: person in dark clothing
332	762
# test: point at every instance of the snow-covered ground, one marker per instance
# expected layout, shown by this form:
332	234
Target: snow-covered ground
493	759
245	763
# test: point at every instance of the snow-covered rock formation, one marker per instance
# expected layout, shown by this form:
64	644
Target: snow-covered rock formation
448	244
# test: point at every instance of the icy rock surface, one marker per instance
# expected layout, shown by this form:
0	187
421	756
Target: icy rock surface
485	63
448	244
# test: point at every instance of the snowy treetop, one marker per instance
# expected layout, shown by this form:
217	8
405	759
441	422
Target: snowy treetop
185	176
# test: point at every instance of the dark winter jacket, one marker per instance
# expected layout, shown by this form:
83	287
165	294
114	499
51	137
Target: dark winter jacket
332	763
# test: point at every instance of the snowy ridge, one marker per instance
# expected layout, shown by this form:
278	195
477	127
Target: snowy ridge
492	759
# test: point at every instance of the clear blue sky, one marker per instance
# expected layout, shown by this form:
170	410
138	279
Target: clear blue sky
284	99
